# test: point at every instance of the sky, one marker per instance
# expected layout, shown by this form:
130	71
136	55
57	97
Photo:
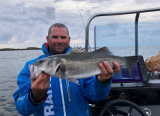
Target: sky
25	23
123	34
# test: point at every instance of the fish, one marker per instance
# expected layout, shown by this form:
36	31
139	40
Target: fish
78	64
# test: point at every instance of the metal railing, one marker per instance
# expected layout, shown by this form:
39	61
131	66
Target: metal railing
118	13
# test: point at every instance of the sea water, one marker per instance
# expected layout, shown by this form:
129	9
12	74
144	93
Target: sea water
12	62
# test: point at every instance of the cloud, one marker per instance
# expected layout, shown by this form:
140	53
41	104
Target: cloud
146	1
98	0
125	31
77	41
24	22
78	0
50	12
13	40
28	21
29	41
58	1
107	30
92	0
32	23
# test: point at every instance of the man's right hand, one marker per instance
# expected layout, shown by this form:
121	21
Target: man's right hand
40	86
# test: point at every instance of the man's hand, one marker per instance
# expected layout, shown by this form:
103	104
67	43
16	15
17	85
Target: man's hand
107	71
40	86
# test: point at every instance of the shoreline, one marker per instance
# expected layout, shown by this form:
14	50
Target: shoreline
12	49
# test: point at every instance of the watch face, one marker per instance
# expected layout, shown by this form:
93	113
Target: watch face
147	111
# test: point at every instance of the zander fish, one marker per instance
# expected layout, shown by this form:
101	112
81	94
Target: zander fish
78	65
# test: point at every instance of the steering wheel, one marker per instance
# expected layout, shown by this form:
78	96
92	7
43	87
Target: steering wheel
121	101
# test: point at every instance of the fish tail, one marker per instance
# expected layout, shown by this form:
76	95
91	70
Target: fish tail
131	61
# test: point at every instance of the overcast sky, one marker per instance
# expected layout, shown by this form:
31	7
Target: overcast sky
25	23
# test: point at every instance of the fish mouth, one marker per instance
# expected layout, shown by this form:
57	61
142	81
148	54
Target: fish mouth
58	67
34	71
31	68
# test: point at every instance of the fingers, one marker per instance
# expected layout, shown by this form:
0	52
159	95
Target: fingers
42	78
42	82
107	71
117	67
32	80
47	80
40	86
106	68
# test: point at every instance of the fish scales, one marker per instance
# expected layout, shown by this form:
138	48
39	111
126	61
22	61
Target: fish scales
81	64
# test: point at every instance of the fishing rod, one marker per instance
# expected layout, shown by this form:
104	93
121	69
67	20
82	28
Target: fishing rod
83	25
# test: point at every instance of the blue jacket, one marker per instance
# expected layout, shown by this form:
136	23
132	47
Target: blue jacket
56	102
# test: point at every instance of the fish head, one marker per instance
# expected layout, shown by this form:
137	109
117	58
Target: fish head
49	65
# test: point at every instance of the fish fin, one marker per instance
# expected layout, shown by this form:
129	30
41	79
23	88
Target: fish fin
104	49
131	61
68	90
77	50
129	69
74	80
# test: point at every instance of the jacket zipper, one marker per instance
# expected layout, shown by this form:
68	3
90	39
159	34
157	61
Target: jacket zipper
63	103
88	112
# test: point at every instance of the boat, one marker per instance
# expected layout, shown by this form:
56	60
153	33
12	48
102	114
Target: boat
136	96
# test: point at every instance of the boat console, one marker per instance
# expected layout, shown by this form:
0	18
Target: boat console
138	95
139	73
136	89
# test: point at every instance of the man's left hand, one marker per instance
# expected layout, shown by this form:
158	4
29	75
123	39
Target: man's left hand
107	71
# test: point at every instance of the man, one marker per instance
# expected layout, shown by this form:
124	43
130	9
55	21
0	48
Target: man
47	96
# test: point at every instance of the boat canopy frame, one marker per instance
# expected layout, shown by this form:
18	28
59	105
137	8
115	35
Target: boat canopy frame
118	13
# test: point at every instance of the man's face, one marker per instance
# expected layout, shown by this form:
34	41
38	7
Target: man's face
58	40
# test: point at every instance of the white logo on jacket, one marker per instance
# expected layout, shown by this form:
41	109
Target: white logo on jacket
48	109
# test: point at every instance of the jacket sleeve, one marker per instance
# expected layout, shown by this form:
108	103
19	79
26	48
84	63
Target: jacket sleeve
23	100
96	90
